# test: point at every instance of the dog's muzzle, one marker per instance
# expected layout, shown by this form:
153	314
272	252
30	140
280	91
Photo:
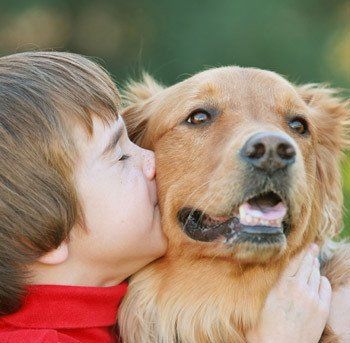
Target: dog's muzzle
263	219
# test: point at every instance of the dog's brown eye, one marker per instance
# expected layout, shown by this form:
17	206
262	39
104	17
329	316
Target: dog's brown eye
199	117
299	125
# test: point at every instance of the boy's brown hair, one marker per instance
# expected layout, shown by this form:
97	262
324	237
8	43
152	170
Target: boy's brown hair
42	96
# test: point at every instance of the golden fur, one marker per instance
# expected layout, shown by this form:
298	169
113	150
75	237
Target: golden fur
208	291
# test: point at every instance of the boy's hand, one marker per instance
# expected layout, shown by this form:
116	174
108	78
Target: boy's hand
339	316
297	308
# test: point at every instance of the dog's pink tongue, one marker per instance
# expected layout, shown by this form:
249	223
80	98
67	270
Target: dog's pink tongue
264	212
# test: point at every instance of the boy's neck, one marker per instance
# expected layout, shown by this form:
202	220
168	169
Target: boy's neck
74	273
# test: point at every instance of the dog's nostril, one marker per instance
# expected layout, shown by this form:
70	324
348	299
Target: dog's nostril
285	151
256	150
268	151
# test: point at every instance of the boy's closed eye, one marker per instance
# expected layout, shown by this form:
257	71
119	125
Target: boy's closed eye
113	148
114	139
124	157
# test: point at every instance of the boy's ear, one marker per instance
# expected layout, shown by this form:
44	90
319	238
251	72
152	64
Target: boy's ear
56	256
137	98
330	119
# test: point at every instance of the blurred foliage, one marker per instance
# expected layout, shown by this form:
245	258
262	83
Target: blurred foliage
305	40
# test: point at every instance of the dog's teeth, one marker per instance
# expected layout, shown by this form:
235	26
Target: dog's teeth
255	221
249	219
276	223
242	212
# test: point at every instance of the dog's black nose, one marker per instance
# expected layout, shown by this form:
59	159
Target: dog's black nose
269	151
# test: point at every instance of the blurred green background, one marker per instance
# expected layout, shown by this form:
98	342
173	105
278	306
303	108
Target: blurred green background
305	40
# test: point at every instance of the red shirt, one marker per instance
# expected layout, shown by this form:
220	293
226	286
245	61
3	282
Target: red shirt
64	314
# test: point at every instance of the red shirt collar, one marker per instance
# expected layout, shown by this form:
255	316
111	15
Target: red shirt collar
68	307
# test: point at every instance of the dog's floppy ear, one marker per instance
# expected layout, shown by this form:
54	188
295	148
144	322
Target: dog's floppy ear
331	115
137	96
330	118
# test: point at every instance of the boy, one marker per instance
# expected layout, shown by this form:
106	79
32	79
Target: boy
79	214
78	200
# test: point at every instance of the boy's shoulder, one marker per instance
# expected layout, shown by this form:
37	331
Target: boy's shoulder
10	334
65	314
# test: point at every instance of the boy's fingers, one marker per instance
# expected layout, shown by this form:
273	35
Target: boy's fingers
315	277
325	292
306	267
295	263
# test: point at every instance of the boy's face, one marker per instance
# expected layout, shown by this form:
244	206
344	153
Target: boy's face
117	191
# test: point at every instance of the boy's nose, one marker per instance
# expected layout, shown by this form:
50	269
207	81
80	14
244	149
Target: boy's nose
149	165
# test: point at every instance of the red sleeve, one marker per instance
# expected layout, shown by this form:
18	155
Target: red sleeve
35	336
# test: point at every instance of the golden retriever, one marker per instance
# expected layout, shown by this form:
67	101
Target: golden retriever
248	174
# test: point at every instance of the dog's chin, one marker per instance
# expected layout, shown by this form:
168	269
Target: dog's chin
249	239
253	253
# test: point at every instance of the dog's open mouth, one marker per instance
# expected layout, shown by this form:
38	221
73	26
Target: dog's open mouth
260	219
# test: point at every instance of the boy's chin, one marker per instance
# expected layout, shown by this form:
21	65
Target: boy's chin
159	242
151	243
153	253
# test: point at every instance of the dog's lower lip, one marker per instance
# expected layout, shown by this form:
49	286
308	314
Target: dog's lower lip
229	229
255	230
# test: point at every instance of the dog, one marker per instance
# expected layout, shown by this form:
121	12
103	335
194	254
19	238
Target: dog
248	174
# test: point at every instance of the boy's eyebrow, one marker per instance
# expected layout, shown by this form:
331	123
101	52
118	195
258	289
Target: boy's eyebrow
113	140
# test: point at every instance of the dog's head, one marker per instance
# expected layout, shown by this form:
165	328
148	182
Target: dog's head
247	163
